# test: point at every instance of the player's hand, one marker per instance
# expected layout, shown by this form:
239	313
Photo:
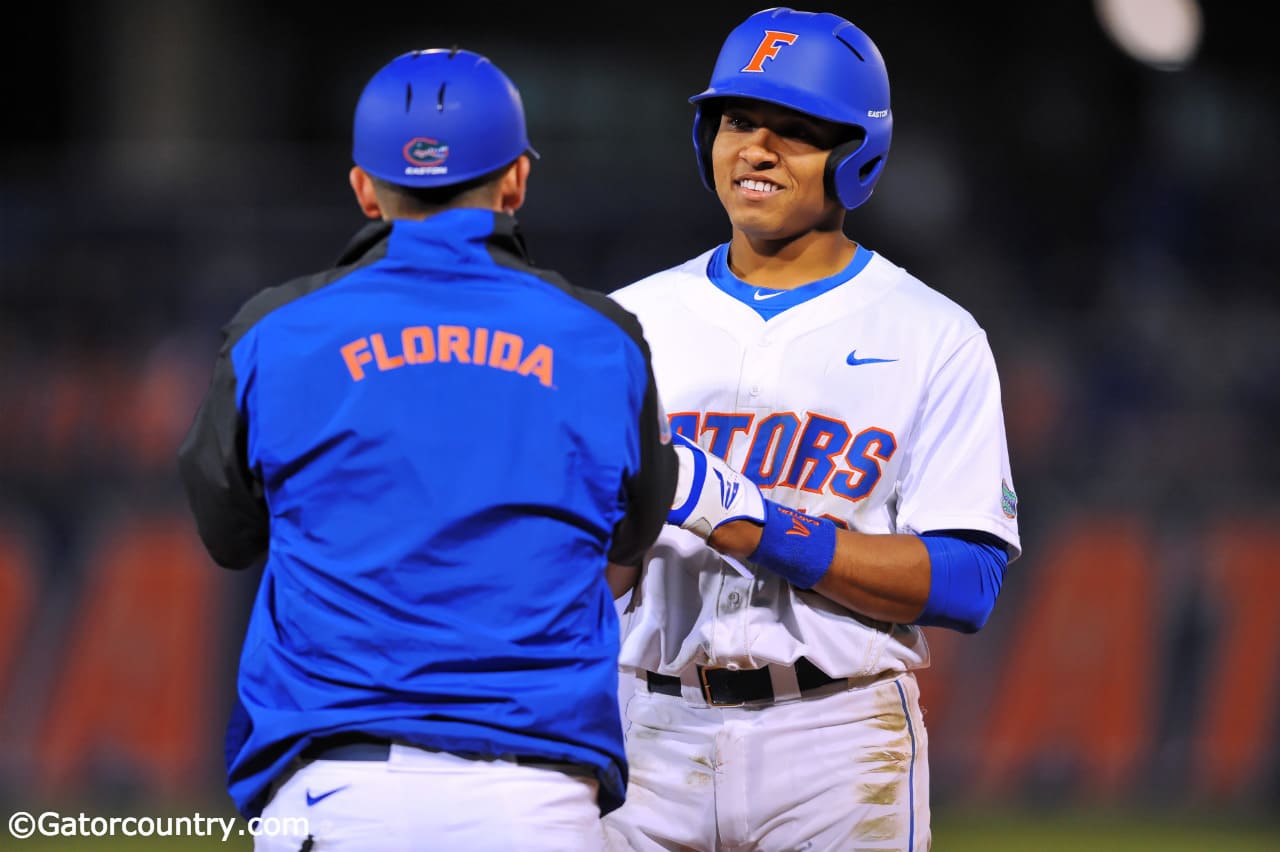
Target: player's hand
709	493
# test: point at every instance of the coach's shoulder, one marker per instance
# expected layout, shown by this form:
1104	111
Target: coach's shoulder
267	301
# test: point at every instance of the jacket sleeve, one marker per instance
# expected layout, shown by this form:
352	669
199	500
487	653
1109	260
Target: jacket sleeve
225	496
650	490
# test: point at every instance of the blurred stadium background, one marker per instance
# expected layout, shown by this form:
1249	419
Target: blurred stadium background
1103	203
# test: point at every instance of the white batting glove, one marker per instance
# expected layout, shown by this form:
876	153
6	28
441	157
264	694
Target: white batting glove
709	493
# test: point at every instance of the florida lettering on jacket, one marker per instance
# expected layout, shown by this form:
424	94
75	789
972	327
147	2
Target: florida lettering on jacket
422	344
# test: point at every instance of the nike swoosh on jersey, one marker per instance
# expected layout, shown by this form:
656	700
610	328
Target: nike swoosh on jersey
853	360
312	800
760	297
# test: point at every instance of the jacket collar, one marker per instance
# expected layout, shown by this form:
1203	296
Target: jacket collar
506	234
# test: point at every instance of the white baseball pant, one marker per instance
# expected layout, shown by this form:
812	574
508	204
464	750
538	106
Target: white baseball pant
842	772
422	799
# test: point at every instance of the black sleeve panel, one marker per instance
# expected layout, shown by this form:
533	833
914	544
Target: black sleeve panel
225	498
650	490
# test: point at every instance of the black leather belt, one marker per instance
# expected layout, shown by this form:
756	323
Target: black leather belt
348	747
728	687
357	746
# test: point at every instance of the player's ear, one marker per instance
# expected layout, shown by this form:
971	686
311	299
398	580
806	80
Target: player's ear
366	194
514	183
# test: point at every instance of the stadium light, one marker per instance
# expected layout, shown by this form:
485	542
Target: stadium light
1164	34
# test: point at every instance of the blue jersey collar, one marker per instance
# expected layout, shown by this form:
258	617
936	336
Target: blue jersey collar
767	302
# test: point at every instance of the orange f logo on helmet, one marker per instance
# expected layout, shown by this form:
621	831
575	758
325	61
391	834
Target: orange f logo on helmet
768	49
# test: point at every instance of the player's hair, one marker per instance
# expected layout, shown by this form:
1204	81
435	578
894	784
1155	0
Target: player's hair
398	200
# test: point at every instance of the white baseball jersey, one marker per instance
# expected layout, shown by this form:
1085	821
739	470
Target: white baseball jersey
868	398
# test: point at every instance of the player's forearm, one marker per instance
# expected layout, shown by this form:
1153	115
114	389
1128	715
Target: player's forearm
885	577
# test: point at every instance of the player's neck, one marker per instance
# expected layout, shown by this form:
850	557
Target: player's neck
787	264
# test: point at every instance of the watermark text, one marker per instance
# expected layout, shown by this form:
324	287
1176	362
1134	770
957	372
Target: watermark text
25	824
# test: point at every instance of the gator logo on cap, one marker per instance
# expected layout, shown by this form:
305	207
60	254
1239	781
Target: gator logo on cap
426	156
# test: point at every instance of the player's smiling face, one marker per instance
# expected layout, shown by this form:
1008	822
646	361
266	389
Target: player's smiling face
769	163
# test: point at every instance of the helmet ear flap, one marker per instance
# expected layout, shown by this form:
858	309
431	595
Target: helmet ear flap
846	178
706	123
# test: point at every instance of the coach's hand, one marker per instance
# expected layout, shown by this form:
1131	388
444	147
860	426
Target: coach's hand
710	494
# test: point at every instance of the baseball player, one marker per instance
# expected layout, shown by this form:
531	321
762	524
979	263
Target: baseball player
436	447
845	479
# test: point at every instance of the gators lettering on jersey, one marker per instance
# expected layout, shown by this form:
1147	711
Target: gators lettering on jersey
810	453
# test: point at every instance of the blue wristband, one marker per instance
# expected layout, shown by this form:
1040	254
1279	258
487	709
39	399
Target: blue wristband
794	546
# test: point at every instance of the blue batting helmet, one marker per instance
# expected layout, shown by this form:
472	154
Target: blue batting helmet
432	118
815	63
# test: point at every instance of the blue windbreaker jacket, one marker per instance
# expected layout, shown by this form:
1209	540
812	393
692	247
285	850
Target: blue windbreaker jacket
431	449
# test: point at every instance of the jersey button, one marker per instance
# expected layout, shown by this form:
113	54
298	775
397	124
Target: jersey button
755	390
735	600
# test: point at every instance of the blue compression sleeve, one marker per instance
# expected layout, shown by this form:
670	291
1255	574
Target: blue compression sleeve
967	571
